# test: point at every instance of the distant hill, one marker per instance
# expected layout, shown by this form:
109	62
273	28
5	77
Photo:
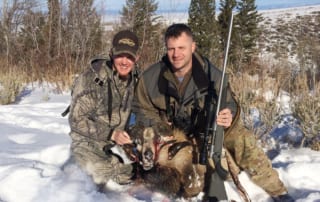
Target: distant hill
288	33
284	31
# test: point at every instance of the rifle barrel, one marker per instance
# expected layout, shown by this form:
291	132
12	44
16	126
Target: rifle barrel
225	60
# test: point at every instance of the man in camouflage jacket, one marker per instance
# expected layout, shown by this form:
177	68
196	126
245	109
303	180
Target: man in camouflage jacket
174	90
100	107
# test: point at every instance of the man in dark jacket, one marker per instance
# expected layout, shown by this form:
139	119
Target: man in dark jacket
174	90
100	107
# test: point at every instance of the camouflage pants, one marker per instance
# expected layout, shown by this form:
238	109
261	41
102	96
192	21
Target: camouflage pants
242	145
101	167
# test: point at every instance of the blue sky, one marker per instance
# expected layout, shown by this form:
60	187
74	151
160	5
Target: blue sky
182	5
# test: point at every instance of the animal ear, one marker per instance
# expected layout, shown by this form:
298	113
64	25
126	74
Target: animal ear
162	129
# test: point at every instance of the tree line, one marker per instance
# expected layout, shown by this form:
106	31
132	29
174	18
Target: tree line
48	43
56	40
53	40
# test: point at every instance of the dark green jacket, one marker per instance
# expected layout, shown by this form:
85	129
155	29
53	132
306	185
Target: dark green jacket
160	97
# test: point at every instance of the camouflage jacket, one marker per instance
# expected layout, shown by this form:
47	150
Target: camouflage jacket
160	96
100	103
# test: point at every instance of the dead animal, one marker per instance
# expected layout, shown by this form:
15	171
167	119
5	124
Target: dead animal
166	157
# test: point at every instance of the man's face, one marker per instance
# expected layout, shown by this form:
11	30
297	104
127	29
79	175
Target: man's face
124	64
179	51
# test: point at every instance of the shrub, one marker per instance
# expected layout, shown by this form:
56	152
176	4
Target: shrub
10	86
307	110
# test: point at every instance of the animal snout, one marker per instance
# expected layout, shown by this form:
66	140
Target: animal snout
148	155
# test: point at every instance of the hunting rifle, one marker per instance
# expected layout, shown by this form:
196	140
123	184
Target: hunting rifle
216	190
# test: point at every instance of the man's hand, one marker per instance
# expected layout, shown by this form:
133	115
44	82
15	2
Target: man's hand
121	137
224	118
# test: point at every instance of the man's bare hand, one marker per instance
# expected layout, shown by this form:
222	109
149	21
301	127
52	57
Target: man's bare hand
224	118
121	137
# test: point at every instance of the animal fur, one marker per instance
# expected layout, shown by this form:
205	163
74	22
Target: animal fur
166	158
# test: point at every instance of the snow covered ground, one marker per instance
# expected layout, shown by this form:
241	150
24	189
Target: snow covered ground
34	147
289	13
34	150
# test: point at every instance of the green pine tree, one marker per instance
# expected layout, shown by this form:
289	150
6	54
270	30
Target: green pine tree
226	8
247	29
203	23
140	17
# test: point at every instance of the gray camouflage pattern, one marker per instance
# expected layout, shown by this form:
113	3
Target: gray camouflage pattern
91	126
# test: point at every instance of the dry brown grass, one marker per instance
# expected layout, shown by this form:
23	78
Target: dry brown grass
14	77
257	91
307	110
11	84
260	91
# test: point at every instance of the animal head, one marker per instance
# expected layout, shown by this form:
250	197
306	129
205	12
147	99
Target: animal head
148	141
148	149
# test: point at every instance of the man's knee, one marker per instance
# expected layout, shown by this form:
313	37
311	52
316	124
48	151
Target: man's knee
103	168
270	182
112	169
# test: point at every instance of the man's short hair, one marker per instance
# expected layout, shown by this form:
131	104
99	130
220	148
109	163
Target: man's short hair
175	30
